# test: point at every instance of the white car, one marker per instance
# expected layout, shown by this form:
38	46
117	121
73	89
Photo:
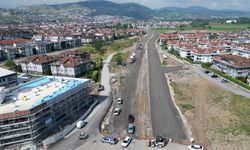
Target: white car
126	141
195	147
119	101
117	111
113	80
165	57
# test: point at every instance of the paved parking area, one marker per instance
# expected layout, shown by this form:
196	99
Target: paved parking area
134	145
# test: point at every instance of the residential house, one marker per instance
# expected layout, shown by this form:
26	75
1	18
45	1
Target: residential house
232	65
71	63
241	51
37	64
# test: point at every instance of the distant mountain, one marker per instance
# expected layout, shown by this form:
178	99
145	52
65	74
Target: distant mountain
101	7
79	10
199	12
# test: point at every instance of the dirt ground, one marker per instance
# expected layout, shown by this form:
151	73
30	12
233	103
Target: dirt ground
218	120
141	109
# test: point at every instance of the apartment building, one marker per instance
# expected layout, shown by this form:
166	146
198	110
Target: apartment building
232	65
36	109
17	48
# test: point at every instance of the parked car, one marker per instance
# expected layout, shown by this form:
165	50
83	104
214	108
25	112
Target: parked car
100	87
113	80
131	128
80	124
117	111
195	147
222	80
206	72
160	141
119	101
109	140
83	136
214	76
131	118
126	141
165	57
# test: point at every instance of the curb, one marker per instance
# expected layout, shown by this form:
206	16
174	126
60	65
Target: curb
187	128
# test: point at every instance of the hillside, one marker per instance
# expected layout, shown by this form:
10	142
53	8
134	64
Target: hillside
199	12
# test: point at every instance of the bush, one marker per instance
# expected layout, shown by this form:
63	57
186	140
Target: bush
118	60
95	76
10	64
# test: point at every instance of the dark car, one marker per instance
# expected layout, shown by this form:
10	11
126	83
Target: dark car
206	72
131	118
100	87
214	76
109	140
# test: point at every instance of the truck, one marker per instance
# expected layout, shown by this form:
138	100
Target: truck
80	124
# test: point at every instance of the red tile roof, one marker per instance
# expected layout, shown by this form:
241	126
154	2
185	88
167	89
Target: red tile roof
15	41
233	60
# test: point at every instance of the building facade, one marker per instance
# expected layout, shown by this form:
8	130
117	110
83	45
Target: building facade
33	111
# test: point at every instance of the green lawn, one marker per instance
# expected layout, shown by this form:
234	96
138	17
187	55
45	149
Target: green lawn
214	27
228	27
164	30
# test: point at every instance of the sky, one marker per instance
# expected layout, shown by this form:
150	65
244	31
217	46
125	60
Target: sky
214	4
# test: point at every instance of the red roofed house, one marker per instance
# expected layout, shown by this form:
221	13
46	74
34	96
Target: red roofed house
37	64
71	64
232	65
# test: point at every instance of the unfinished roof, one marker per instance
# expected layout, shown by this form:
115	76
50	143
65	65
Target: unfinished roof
45	90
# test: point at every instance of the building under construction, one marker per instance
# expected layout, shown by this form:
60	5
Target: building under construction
32	111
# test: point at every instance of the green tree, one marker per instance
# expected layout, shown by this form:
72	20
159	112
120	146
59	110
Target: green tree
176	53
97	45
119	60
95	76
18	68
47	71
10	64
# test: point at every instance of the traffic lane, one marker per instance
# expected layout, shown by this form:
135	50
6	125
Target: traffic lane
165	118
128	90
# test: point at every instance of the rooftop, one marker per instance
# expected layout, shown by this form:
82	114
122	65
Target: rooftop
234	60
34	93
5	72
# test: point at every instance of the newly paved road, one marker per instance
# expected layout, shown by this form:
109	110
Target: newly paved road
165	119
128	91
71	141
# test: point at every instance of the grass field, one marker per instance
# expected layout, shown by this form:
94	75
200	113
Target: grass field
229	27
214	27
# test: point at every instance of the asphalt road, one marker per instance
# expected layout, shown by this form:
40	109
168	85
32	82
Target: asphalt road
165	118
128	91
